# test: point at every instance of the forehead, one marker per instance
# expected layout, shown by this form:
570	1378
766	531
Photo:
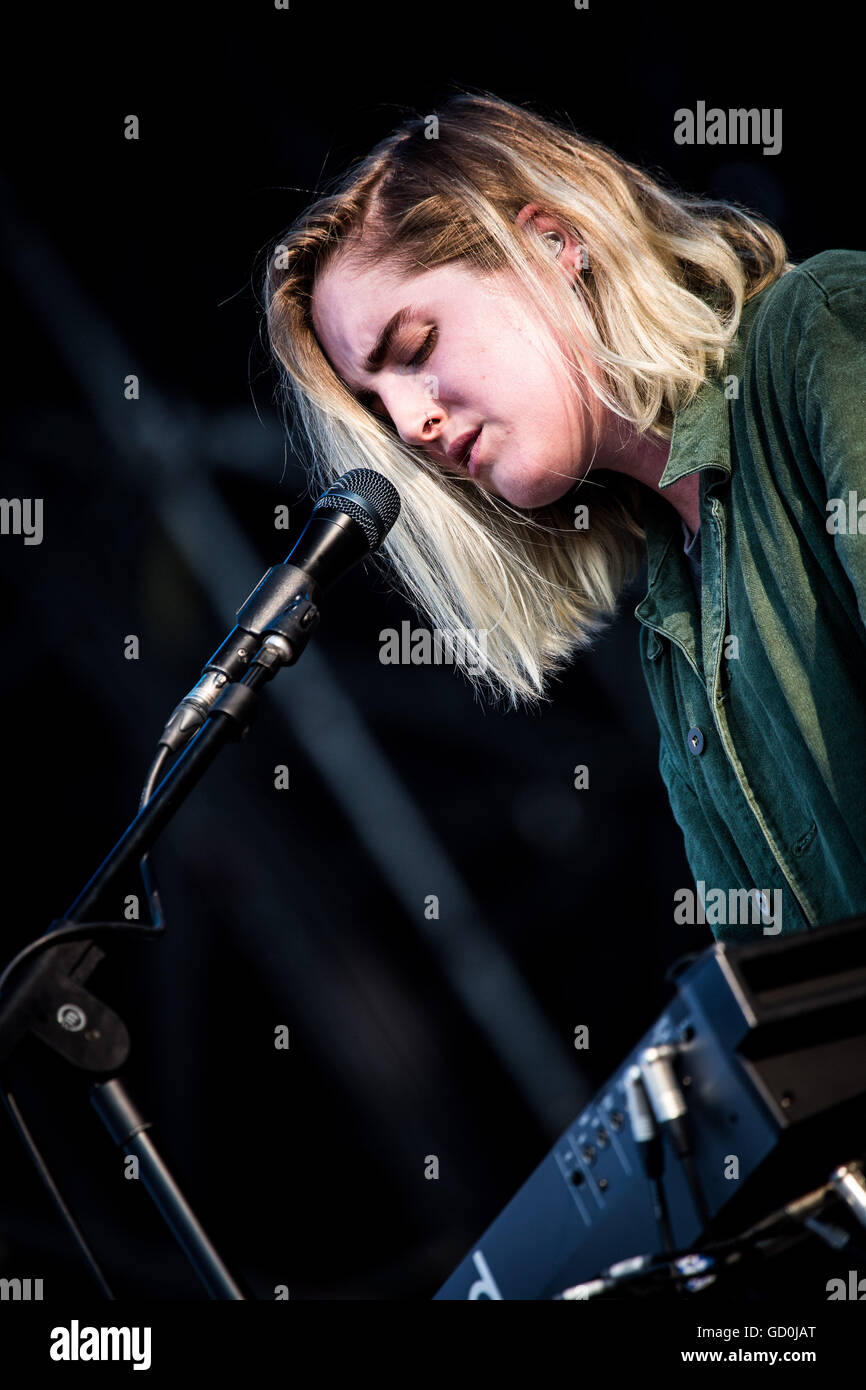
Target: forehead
350	304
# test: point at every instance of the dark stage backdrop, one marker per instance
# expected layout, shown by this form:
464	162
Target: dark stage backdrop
305	907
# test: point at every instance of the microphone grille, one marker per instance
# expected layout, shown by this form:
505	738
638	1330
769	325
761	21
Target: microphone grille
378	508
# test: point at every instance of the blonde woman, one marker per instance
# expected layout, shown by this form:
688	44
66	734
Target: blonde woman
564	365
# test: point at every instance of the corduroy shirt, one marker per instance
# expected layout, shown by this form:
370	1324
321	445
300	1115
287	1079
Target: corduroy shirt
760	688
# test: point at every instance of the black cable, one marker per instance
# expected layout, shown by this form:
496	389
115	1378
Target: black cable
649	1145
151	781
53	1191
72	931
694	1182
660	1272
661	1266
661	1213
658	1278
651	1152
78	931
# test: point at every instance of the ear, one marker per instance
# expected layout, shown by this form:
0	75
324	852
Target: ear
537	222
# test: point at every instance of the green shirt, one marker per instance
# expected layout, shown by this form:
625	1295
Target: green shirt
760	690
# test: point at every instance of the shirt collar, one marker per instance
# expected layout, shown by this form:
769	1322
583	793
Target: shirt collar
701	430
700	440
701	434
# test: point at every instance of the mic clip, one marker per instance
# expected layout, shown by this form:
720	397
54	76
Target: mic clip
297	623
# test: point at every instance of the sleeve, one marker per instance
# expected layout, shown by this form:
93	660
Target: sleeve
831	394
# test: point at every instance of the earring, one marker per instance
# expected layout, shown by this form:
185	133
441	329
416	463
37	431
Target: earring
555	239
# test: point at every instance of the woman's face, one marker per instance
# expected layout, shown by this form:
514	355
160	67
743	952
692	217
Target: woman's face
465	355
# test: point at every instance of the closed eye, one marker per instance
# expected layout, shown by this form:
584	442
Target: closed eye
366	398
425	349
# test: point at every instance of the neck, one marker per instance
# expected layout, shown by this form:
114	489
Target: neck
644	456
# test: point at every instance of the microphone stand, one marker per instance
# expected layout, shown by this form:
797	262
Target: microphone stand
49	999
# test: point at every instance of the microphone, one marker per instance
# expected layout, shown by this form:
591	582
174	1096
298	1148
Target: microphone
348	522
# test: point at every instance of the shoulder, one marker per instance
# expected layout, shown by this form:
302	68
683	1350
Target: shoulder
828	275
787	322
823	281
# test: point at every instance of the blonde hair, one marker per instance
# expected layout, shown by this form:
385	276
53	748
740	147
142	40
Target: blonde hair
655	312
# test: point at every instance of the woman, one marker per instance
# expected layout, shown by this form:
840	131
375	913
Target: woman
563	365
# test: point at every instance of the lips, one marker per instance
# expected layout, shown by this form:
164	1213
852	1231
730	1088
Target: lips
474	461
462	447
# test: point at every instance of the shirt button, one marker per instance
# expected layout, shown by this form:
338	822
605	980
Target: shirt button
695	740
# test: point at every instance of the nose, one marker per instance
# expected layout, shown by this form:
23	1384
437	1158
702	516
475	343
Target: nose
418	417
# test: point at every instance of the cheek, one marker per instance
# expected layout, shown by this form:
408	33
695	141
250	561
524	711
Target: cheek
543	401
494	341
512	375
522	334
533	368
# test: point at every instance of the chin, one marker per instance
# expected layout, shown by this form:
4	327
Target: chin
531	492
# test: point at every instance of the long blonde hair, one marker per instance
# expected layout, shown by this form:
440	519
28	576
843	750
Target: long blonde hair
656	312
